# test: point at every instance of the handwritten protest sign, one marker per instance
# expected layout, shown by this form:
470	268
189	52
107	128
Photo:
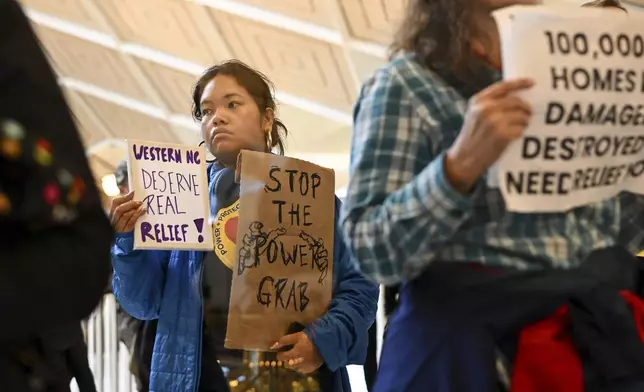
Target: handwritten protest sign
171	181
283	272
585	142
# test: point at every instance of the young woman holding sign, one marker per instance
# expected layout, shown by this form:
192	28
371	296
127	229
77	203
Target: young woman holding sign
237	111
475	276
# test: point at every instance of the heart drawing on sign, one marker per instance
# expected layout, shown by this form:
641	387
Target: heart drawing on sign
230	228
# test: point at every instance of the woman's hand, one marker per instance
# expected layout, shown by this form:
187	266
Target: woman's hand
303	357
495	117
124	213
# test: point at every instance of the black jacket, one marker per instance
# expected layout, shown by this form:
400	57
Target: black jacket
54	252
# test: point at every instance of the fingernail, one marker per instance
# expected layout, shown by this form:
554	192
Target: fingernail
299	360
291	362
140	203
275	346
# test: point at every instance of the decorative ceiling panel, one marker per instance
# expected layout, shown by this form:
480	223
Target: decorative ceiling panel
317	75
111	156
88	129
189	137
297	64
166	26
308	133
341	179
175	87
314	11
99	168
124	123
364	64
371	20
75	11
90	63
87	136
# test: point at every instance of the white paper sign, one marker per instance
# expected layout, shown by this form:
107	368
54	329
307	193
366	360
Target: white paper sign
171	180
585	142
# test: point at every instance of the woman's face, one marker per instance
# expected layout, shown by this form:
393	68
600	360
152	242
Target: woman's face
231	120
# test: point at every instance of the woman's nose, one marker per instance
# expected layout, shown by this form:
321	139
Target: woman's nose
218	119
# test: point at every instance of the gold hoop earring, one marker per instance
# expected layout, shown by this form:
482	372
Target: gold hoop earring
269	140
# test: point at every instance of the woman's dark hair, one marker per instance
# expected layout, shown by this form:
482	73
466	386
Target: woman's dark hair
439	32
257	85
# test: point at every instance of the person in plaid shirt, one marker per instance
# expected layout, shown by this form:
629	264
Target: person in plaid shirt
427	126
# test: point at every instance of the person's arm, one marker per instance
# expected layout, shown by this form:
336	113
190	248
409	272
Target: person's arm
631	235
400	209
341	336
139	277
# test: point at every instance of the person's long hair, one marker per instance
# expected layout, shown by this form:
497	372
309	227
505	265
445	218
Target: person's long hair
605	4
439	32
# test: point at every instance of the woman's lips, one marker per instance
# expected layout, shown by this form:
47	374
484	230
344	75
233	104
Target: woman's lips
219	132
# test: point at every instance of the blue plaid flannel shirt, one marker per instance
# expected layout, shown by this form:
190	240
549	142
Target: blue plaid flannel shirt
400	212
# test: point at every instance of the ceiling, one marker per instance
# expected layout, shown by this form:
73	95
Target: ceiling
127	66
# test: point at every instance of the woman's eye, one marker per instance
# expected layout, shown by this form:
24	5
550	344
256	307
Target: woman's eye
206	112
232	105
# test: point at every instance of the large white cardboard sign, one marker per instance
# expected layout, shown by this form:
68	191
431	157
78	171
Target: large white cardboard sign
171	181
585	142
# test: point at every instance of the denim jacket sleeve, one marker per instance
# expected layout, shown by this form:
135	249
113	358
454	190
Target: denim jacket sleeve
341	335
139	277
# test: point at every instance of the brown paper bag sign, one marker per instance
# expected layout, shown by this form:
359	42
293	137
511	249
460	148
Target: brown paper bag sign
283	271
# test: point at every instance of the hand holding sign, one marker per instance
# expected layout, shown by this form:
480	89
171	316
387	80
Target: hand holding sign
124	212
303	357
585	141
494	118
